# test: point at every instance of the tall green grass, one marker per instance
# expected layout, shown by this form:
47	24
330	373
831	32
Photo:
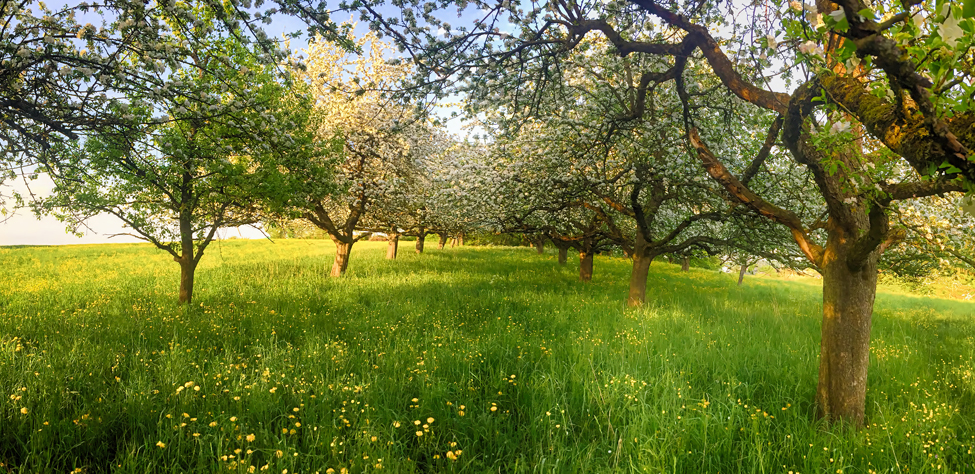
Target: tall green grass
460	360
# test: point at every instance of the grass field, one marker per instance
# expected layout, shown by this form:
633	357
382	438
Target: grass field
460	360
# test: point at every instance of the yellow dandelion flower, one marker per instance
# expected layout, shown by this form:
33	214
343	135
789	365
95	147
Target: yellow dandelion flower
251	437
233	418
23	411
396	424
419	433
160	444
430	420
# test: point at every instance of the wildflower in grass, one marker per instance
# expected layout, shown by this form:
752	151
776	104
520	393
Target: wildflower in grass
396	424
233	419
160	444
213	423
430	420
251	437
279	453
23	411
419	433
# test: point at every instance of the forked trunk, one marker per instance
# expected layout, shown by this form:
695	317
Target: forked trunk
585	265
419	242
392	246
848	297
686	264
442	241
741	273
342	251
187	270
563	255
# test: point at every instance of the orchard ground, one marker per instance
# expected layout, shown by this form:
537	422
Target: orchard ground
458	360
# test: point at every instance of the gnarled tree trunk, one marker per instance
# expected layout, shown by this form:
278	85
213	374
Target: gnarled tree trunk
741	273
585	265
848	297
342	251
392	246
442	242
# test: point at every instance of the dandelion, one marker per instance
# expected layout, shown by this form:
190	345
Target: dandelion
251	437
430	420
23	411
419	433
233	419
396	424
160	444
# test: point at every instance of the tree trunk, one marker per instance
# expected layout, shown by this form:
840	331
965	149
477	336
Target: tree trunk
460	239
187	270
540	246
563	255
585	265
641	267
392	246
848	297
686	264
453	242
442	241
419	241
741	273
342	251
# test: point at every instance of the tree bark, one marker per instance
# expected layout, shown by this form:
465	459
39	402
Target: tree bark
540	246
392	247
442	241
419	241
741	273
585	265
460	239
686	264
642	259
187	271
342	251
563	255
848	297
453	242
638	279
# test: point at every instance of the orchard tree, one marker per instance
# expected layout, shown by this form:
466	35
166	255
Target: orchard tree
210	162
880	111
381	140
69	71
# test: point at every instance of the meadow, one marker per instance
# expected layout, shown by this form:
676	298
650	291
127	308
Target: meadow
457	360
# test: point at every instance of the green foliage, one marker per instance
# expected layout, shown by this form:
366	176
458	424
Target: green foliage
708	377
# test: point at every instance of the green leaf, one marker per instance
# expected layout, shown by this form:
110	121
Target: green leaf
968	9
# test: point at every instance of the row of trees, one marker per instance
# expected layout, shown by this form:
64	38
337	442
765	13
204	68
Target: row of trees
644	125
878	113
